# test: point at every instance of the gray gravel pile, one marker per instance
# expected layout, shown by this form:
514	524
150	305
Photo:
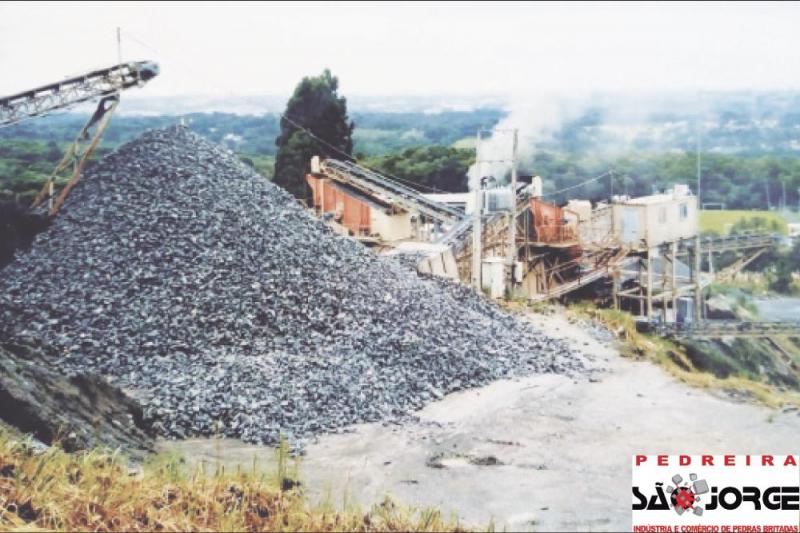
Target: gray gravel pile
175	269
408	258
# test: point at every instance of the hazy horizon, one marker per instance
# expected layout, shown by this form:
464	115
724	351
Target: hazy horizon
141	103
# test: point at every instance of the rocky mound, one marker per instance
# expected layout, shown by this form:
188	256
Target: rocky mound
81	412
177	270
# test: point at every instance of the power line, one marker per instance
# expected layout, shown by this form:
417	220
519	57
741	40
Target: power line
353	159
339	151
131	37
311	134
590	180
303	128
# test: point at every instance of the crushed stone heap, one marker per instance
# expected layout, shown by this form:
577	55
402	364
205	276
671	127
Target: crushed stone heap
178	271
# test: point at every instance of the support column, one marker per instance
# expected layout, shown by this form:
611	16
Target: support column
710	261
698	292
511	257
641	291
663	256
476	219
649	302
673	278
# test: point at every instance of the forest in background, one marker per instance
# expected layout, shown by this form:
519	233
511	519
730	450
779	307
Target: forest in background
749	152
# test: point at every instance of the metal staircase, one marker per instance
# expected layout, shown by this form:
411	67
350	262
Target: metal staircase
590	267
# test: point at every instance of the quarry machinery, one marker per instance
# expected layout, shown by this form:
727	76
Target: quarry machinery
105	84
546	247
373	183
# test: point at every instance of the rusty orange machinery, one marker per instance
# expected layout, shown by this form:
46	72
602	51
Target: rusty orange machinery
349	208
549	224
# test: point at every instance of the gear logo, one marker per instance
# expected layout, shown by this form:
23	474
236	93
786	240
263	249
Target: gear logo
685	497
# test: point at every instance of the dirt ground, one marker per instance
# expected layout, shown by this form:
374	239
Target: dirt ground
545	453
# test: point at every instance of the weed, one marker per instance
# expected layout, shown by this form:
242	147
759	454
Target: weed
96	491
691	364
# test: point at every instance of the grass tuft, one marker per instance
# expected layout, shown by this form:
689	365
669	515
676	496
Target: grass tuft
691	368
97	491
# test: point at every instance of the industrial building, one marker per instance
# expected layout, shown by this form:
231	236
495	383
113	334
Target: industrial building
645	251
649	221
369	218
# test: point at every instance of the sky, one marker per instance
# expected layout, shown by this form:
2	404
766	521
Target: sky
399	48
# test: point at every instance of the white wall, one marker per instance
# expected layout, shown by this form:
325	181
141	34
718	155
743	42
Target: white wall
672	220
656	222
390	227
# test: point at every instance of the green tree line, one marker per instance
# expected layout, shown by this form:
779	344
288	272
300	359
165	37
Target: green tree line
737	182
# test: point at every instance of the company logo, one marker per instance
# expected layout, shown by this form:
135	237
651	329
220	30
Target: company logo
684	498
751	494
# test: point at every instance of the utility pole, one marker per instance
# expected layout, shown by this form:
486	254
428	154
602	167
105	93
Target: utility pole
512	221
649	286
119	45
699	172
673	284
476	217
611	183
766	191
783	207
698	291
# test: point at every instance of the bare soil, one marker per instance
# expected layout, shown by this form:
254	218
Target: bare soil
548	452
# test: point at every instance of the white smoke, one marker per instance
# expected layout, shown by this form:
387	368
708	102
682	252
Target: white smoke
629	124
536	117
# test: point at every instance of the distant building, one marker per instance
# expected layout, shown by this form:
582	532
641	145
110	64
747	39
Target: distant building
649	221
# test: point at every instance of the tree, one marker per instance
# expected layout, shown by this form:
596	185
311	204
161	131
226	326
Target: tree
785	267
316	107
431	167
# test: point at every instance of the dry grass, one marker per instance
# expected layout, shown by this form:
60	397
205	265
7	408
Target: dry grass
672	357
95	491
718	221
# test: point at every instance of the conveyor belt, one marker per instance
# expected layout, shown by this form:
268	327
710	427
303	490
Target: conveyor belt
61	94
376	184
741	241
728	328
